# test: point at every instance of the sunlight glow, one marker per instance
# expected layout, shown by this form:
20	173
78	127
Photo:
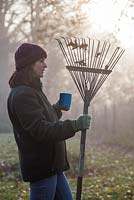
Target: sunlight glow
102	15
112	16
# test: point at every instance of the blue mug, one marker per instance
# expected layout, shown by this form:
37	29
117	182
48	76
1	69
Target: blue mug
65	101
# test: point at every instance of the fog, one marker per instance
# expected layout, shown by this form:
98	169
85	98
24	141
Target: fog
112	109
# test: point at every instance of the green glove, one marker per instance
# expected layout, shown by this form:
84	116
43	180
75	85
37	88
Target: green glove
82	123
58	107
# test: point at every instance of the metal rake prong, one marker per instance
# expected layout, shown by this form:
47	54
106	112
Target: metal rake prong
77	82
117	58
113	57
69	50
64	52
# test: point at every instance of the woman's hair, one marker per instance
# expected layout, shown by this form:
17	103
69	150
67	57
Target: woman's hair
25	76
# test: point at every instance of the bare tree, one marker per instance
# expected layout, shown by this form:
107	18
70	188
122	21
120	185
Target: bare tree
50	19
4	50
37	21
7	15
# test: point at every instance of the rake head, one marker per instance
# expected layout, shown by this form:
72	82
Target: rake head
89	62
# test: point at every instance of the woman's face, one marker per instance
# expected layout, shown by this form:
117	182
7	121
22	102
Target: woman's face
39	67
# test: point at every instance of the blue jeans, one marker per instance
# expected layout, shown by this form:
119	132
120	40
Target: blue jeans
52	188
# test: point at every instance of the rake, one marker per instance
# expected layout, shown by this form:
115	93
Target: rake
89	62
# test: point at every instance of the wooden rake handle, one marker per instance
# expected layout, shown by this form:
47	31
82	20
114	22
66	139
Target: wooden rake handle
82	151
81	165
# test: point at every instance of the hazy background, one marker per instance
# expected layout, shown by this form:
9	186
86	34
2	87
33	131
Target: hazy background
41	21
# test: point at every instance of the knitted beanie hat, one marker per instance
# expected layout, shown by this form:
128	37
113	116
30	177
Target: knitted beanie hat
27	54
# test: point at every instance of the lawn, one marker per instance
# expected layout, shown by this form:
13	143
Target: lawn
108	175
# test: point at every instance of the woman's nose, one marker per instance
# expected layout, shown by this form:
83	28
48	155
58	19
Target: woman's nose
45	65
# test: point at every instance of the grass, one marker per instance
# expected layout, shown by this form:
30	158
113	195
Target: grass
108	174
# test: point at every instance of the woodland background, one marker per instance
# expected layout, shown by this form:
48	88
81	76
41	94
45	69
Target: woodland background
109	159
41	22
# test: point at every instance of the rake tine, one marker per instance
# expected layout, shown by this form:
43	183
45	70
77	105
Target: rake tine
117	58
102	79
89	77
95	58
73	56
106	53
92	51
88	52
79	79
102	55
75	79
113	56
99	85
76	57
91	57
91	65
83	80
100	82
79	75
69	51
84	51
94	81
95	55
99	66
81	58
89	62
64	52
80	53
80	82
92	48
77	84
77	53
78	64
85	60
95	63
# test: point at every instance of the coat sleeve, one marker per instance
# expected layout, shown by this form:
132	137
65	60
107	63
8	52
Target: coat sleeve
32	119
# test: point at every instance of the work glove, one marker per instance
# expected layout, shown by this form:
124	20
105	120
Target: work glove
82	123
58	107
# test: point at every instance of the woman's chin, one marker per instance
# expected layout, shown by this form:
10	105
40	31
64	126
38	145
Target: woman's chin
41	76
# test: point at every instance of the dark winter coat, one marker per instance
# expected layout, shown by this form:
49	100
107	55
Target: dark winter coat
38	132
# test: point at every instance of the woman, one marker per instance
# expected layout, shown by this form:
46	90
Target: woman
39	134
